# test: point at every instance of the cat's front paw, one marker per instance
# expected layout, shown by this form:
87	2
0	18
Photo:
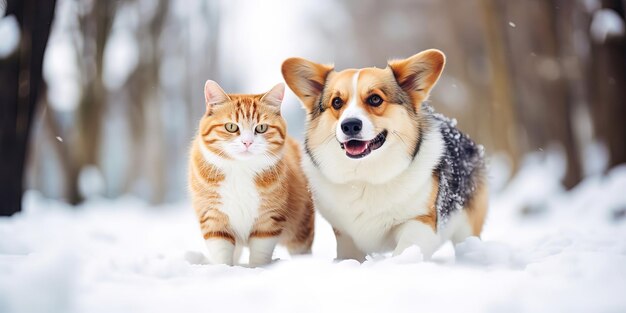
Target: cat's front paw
220	251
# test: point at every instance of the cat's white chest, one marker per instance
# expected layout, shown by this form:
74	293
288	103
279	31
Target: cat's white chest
240	201
239	197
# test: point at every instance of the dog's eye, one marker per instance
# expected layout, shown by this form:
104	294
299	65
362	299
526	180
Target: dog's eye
231	127
337	103
374	100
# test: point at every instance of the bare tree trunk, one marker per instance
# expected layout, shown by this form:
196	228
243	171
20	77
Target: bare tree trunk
95	28
561	107
543	101
608	96
72	169
504	125
20	84
150	151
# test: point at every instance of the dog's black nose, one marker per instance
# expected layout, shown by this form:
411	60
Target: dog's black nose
351	126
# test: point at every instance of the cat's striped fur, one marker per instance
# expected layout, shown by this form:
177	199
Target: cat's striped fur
247	187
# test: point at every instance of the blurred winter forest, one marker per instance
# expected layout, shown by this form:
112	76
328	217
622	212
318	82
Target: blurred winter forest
102	98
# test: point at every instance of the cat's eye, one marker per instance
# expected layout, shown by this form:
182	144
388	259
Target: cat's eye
337	103
261	128
231	127
374	100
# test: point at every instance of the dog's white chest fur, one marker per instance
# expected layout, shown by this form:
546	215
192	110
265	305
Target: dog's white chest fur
368	212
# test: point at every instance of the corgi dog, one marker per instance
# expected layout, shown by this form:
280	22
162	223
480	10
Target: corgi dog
385	170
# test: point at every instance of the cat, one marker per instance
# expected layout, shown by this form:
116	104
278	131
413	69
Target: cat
245	180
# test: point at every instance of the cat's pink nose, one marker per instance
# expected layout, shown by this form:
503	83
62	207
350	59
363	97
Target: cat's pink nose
247	143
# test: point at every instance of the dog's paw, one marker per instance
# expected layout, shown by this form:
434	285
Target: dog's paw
410	254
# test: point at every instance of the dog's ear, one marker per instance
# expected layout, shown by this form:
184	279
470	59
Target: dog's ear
418	74
306	79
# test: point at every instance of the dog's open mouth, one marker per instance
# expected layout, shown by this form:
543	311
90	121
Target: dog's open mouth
357	149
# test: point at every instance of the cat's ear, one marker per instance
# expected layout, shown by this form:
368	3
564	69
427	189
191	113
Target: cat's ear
274	97
213	94
306	79
418	74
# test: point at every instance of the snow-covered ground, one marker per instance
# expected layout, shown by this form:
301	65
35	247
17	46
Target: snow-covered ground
565	253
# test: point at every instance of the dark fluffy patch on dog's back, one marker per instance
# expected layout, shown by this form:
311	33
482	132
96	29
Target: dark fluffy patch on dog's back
460	170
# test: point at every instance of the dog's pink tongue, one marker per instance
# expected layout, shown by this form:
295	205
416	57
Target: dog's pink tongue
355	147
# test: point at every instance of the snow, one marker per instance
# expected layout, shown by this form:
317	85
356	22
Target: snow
543	250
606	23
10	34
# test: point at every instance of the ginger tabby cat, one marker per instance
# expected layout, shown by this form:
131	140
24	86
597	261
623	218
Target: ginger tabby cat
246	184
